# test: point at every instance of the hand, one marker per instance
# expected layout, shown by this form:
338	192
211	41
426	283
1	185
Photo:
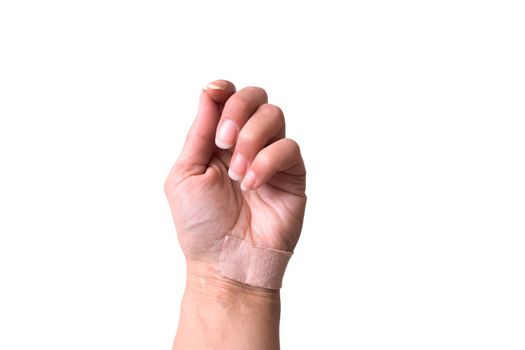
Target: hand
237	174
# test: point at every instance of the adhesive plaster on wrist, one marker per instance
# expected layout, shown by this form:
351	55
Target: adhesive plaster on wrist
243	262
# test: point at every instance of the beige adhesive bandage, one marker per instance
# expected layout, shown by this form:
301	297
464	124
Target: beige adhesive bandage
243	262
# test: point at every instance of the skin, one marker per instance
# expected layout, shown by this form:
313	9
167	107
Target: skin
237	174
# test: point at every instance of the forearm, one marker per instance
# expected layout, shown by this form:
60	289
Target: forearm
217	313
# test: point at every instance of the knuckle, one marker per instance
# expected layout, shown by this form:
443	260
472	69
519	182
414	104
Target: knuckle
264	160
247	99
258	91
239	102
273	110
293	146
246	137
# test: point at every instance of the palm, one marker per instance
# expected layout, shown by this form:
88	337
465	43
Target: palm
211	205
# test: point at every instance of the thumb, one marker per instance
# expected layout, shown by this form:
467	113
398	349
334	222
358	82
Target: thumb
200	141
199	144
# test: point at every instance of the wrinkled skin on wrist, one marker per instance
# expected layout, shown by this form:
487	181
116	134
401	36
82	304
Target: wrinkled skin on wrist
203	283
222	314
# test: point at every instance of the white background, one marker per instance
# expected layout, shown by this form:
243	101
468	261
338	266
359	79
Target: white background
410	115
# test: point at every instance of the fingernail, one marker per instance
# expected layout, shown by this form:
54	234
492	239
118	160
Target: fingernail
217	85
248	181
226	134
237	167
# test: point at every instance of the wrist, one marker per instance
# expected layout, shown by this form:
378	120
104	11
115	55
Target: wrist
224	314
203	280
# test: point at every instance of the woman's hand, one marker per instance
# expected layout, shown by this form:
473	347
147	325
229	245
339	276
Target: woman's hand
237	174
237	177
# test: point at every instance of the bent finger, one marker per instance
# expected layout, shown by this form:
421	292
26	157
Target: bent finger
283	156
264	127
237	110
